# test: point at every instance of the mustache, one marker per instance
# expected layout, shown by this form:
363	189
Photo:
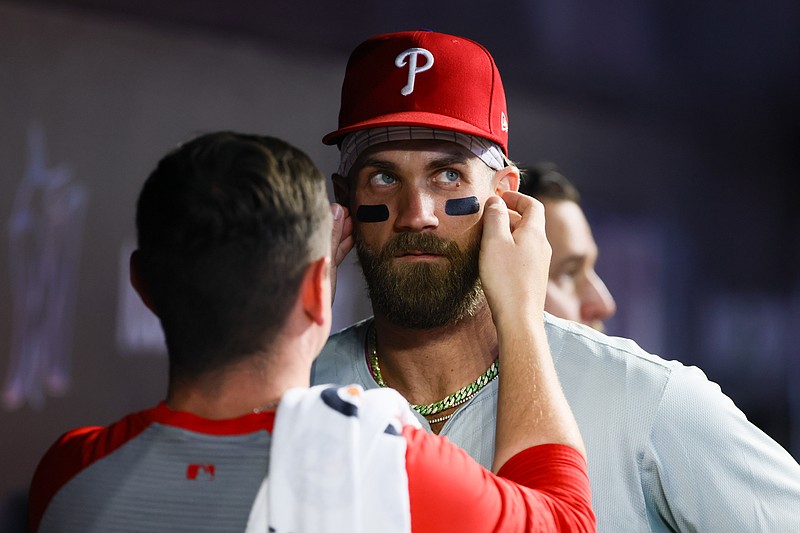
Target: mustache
428	243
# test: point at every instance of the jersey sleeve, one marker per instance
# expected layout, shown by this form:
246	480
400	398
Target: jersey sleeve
541	489
707	468
65	458
73	452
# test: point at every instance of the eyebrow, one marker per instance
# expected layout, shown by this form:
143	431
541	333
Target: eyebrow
439	162
577	260
376	163
447	160
572	260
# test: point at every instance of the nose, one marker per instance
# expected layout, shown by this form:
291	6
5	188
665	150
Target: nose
416	211
597	304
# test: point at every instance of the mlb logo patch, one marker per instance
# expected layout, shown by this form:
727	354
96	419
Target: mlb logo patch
200	472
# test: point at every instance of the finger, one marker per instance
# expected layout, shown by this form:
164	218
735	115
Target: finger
346	241
344	248
337	211
496	222
530	209
515	218
341	233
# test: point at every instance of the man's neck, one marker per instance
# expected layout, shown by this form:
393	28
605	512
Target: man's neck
248	386
426	365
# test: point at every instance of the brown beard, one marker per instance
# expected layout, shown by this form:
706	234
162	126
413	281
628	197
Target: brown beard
422	295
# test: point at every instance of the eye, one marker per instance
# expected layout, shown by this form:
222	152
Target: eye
448	177
569	272
572	271
382	179
565	277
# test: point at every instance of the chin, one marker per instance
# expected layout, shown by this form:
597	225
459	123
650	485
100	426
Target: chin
599	326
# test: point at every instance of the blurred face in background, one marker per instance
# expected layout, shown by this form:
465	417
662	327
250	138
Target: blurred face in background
574	290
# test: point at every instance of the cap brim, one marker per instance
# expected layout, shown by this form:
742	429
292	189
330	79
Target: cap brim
410	118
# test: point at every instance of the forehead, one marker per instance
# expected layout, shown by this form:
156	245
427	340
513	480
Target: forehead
567	228
417	152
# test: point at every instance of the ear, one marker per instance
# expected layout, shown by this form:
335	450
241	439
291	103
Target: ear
315	290
506	179
341	189
137	281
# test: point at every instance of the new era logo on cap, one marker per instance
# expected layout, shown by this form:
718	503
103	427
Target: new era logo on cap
424	79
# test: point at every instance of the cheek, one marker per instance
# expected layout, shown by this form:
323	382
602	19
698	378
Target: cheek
372	213
367	210
461	217
561	302
372	234
457	207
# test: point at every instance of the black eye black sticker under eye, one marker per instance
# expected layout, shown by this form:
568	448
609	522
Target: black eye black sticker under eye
462	206
372	213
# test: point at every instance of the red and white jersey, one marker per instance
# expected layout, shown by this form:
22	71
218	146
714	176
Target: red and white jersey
165	470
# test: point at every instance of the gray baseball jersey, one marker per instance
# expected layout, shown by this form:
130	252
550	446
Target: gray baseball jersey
667	450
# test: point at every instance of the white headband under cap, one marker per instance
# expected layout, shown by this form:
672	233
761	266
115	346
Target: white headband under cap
355	143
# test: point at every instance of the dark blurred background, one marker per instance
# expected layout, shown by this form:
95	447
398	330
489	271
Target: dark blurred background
678	121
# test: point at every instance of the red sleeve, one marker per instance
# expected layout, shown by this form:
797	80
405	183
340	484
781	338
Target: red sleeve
71	453
541	489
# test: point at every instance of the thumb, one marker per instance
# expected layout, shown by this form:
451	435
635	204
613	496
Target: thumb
495	218
338	225
338	216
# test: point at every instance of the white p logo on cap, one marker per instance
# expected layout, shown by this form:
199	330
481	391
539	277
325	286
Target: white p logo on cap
410	57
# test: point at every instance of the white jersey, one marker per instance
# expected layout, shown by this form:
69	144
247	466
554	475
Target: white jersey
667	450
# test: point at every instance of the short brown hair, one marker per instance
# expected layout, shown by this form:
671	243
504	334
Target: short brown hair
545	181
227	224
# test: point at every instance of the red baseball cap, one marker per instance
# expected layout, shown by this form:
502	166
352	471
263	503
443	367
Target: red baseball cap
423	78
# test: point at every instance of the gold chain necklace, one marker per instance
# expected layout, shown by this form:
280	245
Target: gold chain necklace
455	399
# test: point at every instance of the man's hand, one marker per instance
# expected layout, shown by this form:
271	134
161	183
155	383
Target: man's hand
515	255
514	261
341	240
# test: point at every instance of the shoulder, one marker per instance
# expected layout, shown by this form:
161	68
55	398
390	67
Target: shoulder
611	364
613	385
81	447
342	358
348	338
681	430
701	438
75	451
619	366
571	340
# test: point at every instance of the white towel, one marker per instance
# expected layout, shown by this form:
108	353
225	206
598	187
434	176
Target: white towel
337	463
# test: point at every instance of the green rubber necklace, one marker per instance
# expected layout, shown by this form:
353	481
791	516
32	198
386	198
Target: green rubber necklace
451	400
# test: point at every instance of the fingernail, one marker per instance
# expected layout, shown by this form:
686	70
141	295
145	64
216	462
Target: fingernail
494	200
337	211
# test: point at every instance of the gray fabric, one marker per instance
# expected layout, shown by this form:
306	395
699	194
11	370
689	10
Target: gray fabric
143	486
355	143
667	450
